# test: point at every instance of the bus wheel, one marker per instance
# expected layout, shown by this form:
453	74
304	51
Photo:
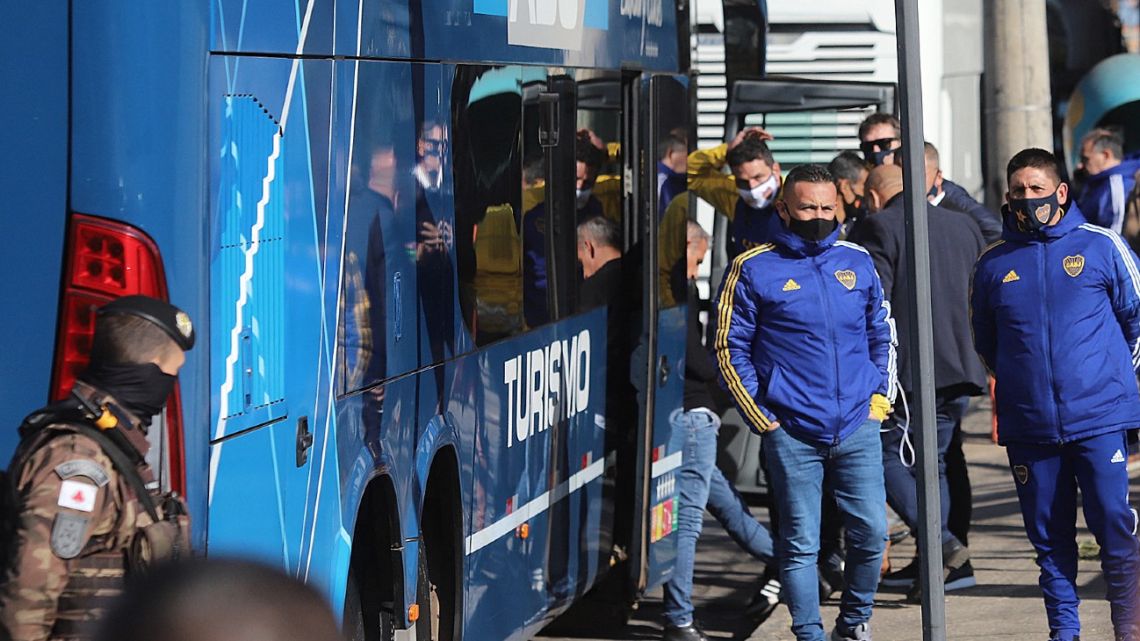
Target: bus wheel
362	623
429	625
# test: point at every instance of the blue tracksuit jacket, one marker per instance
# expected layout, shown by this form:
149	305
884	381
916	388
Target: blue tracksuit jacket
1105	195
1056	318
804	336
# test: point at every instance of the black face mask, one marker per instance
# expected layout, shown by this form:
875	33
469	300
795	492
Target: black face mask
1031	214
141	389
814	230
853	211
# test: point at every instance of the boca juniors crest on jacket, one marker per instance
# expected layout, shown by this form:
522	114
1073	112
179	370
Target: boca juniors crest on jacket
804	336
1056	318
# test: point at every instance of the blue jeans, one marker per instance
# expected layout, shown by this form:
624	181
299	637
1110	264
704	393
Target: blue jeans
855	472
1047	478
701	484
902	487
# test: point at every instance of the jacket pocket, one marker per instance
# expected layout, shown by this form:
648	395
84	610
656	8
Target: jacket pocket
775	392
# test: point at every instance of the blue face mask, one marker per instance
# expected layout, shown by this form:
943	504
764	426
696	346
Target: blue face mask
876	152
1031	214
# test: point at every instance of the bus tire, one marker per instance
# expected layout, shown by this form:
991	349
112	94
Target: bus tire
357	626
437	615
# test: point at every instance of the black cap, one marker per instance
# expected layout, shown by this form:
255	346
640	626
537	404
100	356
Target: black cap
172	320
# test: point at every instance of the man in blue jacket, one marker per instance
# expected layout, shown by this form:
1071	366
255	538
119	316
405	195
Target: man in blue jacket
1056	318
806	346
1111	178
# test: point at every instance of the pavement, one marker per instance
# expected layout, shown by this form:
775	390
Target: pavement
1006	604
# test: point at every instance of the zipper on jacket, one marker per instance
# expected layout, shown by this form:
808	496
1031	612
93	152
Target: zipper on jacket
1042	248
831	328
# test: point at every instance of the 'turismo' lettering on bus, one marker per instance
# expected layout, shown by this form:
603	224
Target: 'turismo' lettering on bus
547	385
652	10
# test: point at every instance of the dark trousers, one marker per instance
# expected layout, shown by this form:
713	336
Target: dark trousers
961	493
902	488
1047	478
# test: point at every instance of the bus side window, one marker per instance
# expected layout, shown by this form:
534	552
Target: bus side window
486	122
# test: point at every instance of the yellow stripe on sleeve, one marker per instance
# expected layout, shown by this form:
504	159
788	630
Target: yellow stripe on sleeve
746	403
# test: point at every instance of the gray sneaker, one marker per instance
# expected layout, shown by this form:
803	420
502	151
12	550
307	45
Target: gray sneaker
861	632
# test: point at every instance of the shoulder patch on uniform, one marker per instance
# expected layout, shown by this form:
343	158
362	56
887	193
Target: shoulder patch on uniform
77	496
68	535
83	467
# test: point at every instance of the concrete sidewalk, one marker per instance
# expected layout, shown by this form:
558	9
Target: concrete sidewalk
1006	603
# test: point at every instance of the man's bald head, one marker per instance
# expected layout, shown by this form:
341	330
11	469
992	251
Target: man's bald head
884	183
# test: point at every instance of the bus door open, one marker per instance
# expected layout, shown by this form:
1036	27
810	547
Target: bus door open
586	167
812	121
658	359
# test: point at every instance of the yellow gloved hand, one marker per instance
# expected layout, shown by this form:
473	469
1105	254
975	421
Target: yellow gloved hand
880	407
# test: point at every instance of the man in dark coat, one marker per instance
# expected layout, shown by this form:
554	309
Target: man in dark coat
955	244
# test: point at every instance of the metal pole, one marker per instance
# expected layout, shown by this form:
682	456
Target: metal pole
918	307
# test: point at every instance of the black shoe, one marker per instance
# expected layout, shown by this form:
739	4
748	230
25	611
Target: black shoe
952	579
762	604
960	577
831	575
902	578
689	632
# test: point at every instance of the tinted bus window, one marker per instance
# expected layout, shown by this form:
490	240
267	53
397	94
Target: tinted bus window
487	119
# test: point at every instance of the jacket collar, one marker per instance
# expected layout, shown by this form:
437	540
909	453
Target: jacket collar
102	406
1128	167
784	237
1072	219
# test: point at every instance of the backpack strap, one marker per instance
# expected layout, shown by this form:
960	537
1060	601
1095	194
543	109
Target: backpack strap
122	463
70	415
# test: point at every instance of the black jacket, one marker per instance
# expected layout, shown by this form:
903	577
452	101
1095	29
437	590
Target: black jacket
959	200
955	244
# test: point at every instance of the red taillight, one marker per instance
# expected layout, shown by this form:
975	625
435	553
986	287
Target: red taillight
114	259
105	260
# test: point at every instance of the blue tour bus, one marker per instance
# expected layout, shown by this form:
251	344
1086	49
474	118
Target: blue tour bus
368	209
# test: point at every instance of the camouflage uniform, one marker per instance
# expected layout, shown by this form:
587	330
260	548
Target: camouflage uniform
79	530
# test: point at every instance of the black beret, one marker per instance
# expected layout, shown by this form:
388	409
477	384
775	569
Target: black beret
172	320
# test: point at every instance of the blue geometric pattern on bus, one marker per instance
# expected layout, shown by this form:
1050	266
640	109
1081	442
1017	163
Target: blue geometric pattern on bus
249	269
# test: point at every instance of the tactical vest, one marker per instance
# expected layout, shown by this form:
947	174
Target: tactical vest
161	531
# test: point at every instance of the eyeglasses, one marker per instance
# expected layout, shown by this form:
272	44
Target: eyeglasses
871	146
